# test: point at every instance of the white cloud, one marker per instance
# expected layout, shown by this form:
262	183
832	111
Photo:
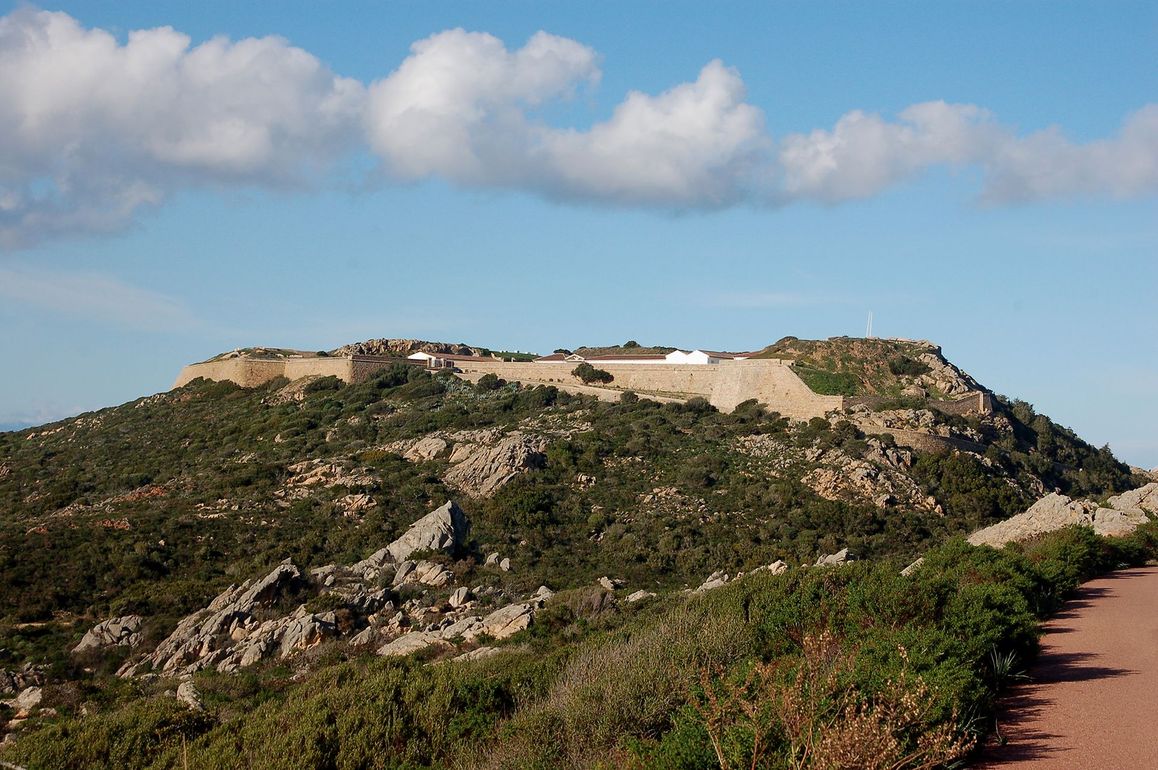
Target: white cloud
95	297
456	107
93	129
1047	165
697	144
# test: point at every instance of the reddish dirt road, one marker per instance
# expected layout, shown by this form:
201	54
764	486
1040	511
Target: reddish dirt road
1093	697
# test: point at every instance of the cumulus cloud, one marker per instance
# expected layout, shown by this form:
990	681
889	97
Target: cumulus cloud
93	129
865	154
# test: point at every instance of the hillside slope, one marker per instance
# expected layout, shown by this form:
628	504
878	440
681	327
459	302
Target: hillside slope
152	509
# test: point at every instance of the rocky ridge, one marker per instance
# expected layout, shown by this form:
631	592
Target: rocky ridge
400	347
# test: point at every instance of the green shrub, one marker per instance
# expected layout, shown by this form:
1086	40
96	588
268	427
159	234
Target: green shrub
589	374
906	366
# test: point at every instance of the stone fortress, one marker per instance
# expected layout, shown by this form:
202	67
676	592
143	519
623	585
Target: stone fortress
724	380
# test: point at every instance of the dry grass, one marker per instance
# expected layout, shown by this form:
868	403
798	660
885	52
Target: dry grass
805	714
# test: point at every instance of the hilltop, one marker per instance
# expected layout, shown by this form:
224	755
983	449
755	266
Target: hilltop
275	545
873	367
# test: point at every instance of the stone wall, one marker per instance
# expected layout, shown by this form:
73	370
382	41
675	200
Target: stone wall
770	382
246	372
251	372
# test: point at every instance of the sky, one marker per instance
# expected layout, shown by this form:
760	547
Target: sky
181	179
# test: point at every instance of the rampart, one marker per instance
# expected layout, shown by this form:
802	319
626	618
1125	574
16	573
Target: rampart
251	372
725	385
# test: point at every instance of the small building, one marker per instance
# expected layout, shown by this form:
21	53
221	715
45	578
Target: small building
694	357
445	360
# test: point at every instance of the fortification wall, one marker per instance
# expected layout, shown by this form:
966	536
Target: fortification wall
725	385
246	372
772	383
296	368
925	442
251	372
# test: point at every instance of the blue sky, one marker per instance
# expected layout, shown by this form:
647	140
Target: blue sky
721	175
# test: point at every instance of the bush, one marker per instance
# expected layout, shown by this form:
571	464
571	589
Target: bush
905	366
322	384
490	381
589	374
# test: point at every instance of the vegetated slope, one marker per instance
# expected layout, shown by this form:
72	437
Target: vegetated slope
852	366
154	507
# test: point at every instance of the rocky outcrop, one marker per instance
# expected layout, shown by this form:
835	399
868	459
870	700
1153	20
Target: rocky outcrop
187	693
500	624
203	638
481	461
481	469
841	557
721	578
942	376
444	529
1057	511
24	703
12	682
401	348
117	632
428	448
1144	499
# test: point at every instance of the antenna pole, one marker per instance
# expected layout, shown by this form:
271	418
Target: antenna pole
869	331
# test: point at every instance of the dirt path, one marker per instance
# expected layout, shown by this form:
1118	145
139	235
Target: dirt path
1093	697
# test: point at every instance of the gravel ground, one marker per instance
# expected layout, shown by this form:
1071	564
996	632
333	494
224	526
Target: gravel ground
1092	699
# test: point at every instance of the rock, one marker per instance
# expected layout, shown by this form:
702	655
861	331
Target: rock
492	560
402	573
480	470
610	584
117	632
715	580
409	643
835	559
444	529
638	596
476	654
428	448
1052	512
542	595
369	567
460	597
507	621
1110	523
1143	499
909	570
777	567
355	504
187	693
26	701
193	645
12	682
505	565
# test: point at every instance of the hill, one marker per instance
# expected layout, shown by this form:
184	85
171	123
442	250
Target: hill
873	367
263	542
